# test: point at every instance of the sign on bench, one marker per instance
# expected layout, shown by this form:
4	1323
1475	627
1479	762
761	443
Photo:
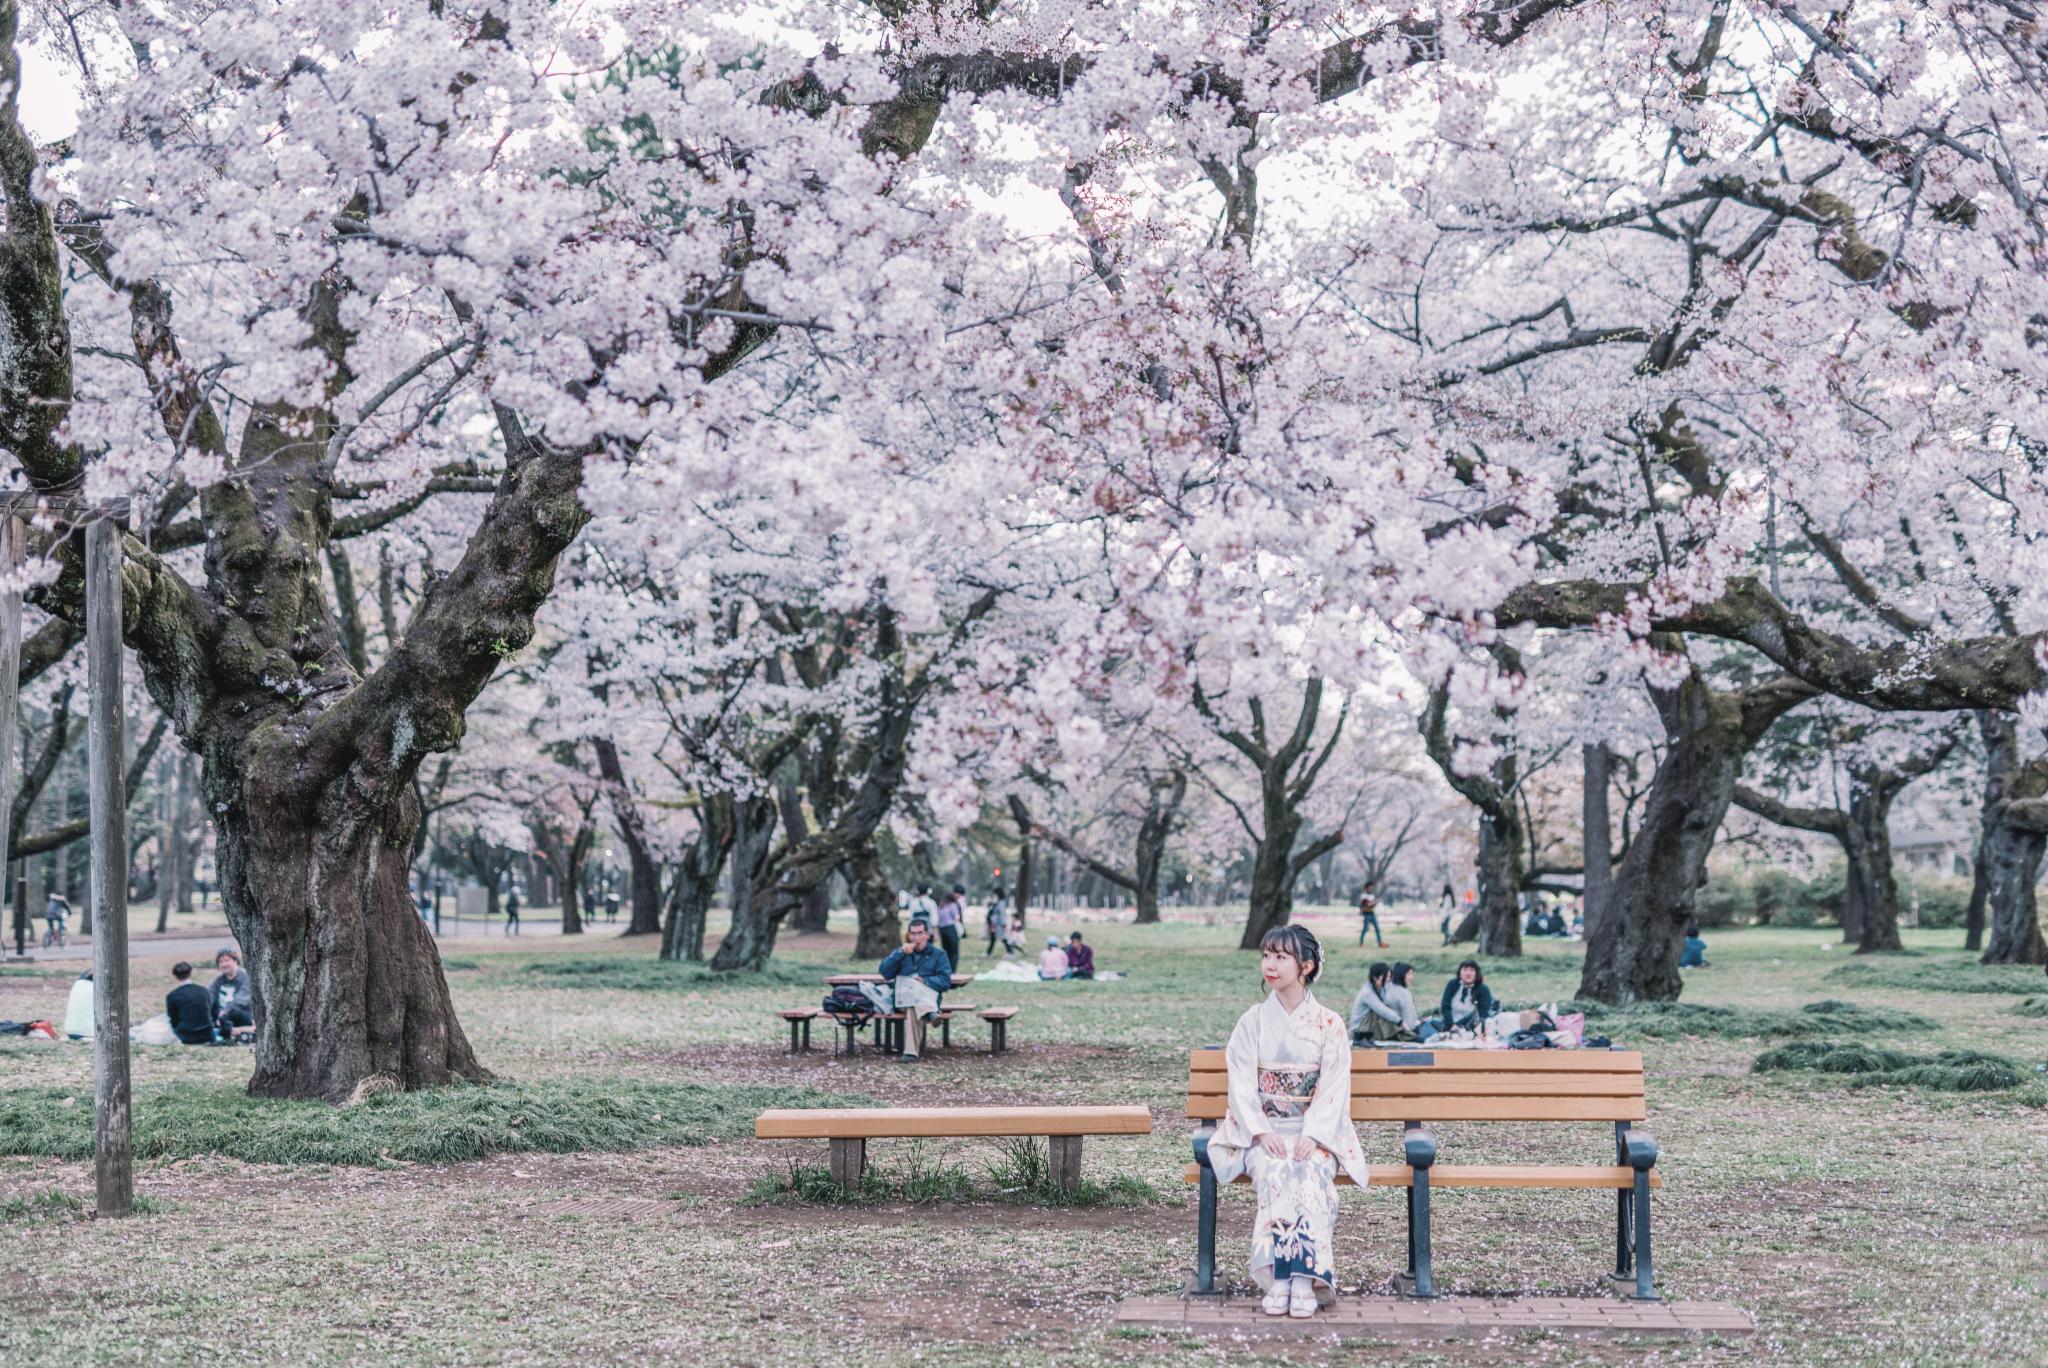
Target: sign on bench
1415	1087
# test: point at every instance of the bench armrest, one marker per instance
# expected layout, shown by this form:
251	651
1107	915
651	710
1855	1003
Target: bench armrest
1641	1148
1202	1134
1419	1147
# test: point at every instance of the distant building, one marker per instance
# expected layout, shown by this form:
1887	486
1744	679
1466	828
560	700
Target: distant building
1934	849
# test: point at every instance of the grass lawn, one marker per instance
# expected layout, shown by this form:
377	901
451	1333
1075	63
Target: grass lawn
1860	1223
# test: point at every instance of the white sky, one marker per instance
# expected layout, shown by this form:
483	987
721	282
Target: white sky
49	99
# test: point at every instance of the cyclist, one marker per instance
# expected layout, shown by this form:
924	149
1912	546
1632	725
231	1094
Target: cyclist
54	913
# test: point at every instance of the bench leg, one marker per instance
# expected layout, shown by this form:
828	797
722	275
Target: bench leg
1418	1234
793	1024
995	1035
1205	1235
1624	1257
1066	1161
1645	1289
807	1035
849	1157
945	1033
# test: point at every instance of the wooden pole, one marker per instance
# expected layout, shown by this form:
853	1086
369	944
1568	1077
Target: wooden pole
113	1148
10	688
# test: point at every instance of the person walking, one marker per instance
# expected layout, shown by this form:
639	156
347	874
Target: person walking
998	923
952	912
1369	917
512	913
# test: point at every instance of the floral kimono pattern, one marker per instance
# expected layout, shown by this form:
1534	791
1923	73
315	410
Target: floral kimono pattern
1290	1075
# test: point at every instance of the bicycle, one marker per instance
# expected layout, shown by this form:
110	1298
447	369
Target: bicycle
53	934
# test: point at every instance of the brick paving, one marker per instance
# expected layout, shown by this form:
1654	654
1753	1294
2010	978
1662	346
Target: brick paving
1445	1317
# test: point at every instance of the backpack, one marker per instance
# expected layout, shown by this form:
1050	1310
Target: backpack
1529	1040
847	1000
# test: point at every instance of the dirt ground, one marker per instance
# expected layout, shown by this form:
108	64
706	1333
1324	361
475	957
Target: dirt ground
1857	1226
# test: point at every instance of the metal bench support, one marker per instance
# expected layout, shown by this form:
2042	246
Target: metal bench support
1419	1147
1205	1226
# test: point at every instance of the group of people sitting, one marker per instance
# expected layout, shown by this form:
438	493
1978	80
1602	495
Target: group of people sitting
1385	1007
198	1016
1077	960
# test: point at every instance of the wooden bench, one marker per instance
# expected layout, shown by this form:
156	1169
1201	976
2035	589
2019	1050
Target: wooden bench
998	1019
1416	1086
849	1129
889	1027
800	1019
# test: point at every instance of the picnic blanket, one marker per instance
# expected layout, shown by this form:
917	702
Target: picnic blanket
1014	971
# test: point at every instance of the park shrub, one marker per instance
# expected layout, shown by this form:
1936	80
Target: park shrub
1944	903
1828	1018
1945	974
1947	1071
642	974
442	1125
1769	897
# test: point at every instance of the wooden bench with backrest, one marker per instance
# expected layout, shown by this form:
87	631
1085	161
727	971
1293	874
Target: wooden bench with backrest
849	1129
1415	1086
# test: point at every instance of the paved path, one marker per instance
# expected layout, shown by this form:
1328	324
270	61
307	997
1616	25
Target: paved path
201	946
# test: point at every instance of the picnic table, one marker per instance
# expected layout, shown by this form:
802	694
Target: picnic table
855	980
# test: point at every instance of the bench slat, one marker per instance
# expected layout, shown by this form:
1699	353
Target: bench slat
1211	1108
1461	1084
1210	1060
1488	1176
874	1123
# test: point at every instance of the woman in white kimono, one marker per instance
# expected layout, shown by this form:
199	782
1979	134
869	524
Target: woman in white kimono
1289	1125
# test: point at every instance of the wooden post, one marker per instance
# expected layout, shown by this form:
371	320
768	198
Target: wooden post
1065	1153
113	1149
10	689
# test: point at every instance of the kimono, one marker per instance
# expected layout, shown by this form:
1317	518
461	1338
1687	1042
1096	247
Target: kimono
1290	1073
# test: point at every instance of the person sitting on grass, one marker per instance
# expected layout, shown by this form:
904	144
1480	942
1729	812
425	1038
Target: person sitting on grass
920	973
189	1008
1080	958
1373	1018
1400	996
1052	961
78	1009
233	1000
1468	1002
1694	955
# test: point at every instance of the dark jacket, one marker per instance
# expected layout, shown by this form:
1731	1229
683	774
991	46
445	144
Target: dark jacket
191	1013
930	964
1482	999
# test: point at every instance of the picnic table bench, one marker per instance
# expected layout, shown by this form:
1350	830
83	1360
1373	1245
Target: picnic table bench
848	1129
1416	1086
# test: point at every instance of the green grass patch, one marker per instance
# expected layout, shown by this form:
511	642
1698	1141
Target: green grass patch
38	1207
2031	1007
443	1125
1926	974
1020	1173
644	975
1827	1018
1947	1071
454	964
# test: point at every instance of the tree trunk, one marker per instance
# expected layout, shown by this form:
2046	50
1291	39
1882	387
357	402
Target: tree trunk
1162	809
881	930
696	879
1598	835
814	916
1878	888
349	994
1632	955
2001	758
756	915
2011	857
1501	857
1020	903
1273	870
646	881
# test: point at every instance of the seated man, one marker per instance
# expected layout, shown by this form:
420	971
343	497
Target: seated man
234	1003
1080	958
1052	961
189	1008
919	972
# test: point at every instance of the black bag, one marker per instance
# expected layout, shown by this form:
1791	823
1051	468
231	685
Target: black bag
846	1000
1531	1039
